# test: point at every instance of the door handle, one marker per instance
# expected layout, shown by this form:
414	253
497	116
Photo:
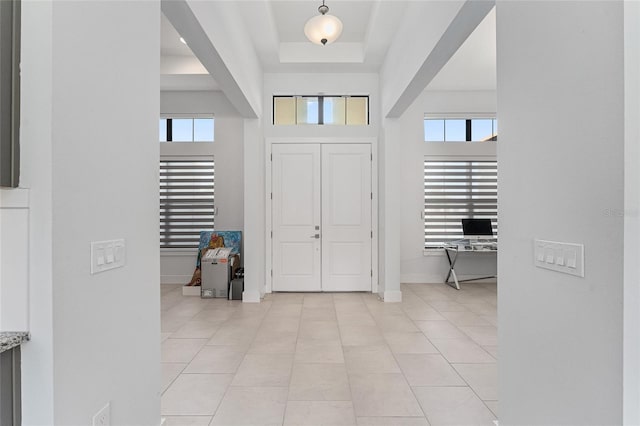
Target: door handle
316	236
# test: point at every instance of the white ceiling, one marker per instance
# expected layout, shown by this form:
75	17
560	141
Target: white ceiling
276	28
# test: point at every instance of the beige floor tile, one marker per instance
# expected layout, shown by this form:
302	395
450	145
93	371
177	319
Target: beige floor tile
274	343
493	350
465	319
171	324
359	335
453	406
281	309
279	325
483	379
216	359
493	406
197	330
409	343
481	308
181	350
319	382
424	314
213	315
448	306
264	370
462	351
195	394
319	351
482	335
386	395
319	330
288	298
392	421
428	370
320	313
314	413
317	300
252	406
187	310
169	373
396	323
232	336
440	330
490	318
370	359
164	336
353	318
187	420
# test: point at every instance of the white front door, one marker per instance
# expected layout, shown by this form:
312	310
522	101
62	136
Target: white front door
296	217
322	234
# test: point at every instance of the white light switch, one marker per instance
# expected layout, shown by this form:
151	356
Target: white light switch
107	255
560	257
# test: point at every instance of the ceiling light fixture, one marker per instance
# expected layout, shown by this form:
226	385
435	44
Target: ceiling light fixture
323	29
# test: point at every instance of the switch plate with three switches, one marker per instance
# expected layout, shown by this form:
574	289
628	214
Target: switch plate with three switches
107	255
567	258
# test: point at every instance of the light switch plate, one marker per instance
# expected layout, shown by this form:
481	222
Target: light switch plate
107	255
567	258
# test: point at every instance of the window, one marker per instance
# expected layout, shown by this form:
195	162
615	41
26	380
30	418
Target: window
321	110
455	190
460	129
186	200
189	129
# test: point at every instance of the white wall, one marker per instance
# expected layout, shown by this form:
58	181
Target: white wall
561	111
14	259
35	173
177	267
94	337
631	369
415	266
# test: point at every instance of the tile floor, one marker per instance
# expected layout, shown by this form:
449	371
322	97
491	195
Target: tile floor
332	358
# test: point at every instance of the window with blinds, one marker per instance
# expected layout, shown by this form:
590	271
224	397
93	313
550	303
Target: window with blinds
186	200
455	190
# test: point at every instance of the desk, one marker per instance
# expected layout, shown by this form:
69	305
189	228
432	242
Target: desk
453	249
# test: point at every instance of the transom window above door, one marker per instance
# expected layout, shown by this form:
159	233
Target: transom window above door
321	110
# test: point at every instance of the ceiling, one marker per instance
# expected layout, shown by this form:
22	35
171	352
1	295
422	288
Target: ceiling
276	28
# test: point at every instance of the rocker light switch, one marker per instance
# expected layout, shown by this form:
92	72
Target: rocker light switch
567	258
107	255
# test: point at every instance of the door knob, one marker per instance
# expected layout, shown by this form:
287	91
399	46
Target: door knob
316	236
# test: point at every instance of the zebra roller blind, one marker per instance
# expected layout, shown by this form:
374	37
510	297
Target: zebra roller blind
186	200
455	190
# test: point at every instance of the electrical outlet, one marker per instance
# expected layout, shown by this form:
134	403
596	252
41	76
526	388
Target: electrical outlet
103	417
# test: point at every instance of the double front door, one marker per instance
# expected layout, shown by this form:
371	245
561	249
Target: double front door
321	217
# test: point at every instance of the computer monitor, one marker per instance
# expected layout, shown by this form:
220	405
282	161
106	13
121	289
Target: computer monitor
475	229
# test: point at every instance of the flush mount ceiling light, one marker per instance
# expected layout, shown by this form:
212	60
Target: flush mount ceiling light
323	29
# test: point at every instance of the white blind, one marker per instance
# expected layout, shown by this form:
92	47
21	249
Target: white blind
455	190
186	200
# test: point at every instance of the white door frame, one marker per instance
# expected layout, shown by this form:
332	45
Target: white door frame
374	203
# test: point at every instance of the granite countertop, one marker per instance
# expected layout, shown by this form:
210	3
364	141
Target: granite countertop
11	339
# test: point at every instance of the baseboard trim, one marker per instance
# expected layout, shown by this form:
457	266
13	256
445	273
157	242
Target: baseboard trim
250	297
394	296
174	279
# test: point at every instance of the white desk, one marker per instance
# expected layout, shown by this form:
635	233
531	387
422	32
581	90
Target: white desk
477	248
